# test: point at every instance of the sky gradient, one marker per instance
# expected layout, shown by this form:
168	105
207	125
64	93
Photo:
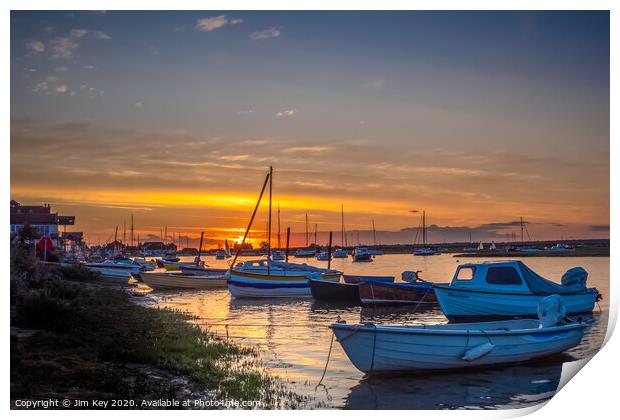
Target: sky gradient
477	117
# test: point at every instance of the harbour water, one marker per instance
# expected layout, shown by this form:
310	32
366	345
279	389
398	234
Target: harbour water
294	340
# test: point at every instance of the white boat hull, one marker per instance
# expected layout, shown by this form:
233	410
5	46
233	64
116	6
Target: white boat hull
168	281
474	304
374	349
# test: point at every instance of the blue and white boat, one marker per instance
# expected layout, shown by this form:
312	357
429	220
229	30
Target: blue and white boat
340	253
264	279
397	348
509	289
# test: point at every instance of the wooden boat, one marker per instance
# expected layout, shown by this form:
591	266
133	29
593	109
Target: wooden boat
178	280
367	279
375	349
396	293
324	290
506	289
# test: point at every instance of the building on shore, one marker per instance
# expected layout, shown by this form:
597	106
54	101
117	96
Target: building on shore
40	218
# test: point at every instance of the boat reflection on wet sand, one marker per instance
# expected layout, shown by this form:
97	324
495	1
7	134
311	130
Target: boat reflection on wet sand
514	386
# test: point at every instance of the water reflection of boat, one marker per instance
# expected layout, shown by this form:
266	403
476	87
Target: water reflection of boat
514	386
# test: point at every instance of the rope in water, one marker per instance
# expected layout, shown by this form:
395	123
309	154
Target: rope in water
331	344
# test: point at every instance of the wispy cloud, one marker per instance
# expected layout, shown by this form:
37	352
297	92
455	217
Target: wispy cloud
272	32
376	84
35	46
307	149
66	46
216	22
287	113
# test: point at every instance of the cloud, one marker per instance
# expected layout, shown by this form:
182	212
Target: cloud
101	35
61	88
307	149
61	68
89	67
138	105
66	46
272	32
36	46
235	157
212	23
287	113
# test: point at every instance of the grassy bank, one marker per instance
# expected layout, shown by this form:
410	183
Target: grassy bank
71	338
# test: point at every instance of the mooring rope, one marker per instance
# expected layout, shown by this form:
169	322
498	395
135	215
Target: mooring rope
331	344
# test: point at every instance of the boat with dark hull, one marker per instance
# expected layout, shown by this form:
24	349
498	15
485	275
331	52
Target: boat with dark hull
325	290
396	293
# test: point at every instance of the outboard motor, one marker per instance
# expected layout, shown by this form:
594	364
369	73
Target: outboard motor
410	276
575	278
551	311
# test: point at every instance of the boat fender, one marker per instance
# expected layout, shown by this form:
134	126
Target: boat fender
478	351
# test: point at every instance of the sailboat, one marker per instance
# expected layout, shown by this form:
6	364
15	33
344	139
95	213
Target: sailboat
268	278
492	247
425	250
341	252
278	254
374	239
481	246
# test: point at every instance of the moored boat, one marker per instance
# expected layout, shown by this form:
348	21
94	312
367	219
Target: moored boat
340	253
305	253
352	279
322	256
170	281
396	293
509	289
324	290
361	254
376	349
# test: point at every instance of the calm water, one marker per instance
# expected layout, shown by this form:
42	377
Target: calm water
294	339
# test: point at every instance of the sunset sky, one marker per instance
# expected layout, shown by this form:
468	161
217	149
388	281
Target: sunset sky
476	117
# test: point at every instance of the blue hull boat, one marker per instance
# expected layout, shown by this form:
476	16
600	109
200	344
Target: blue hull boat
382	349
505	290
367	279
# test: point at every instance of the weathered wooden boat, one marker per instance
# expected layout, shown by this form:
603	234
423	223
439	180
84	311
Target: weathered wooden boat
507	289
178	280
376	349
324	290
351	279
396	293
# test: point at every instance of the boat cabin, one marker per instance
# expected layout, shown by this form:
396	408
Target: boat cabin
503	277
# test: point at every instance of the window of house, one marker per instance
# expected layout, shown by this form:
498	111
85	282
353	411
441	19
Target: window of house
503	275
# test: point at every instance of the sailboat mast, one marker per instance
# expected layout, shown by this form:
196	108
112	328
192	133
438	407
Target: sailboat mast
131	229
306	230
278	226
521	229
269	229
124	232
374	233
115	235
315	240
342	225
424	228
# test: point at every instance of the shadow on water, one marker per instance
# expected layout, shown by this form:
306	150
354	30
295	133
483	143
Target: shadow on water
513	386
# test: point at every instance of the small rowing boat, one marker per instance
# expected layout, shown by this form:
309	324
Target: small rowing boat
395	348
